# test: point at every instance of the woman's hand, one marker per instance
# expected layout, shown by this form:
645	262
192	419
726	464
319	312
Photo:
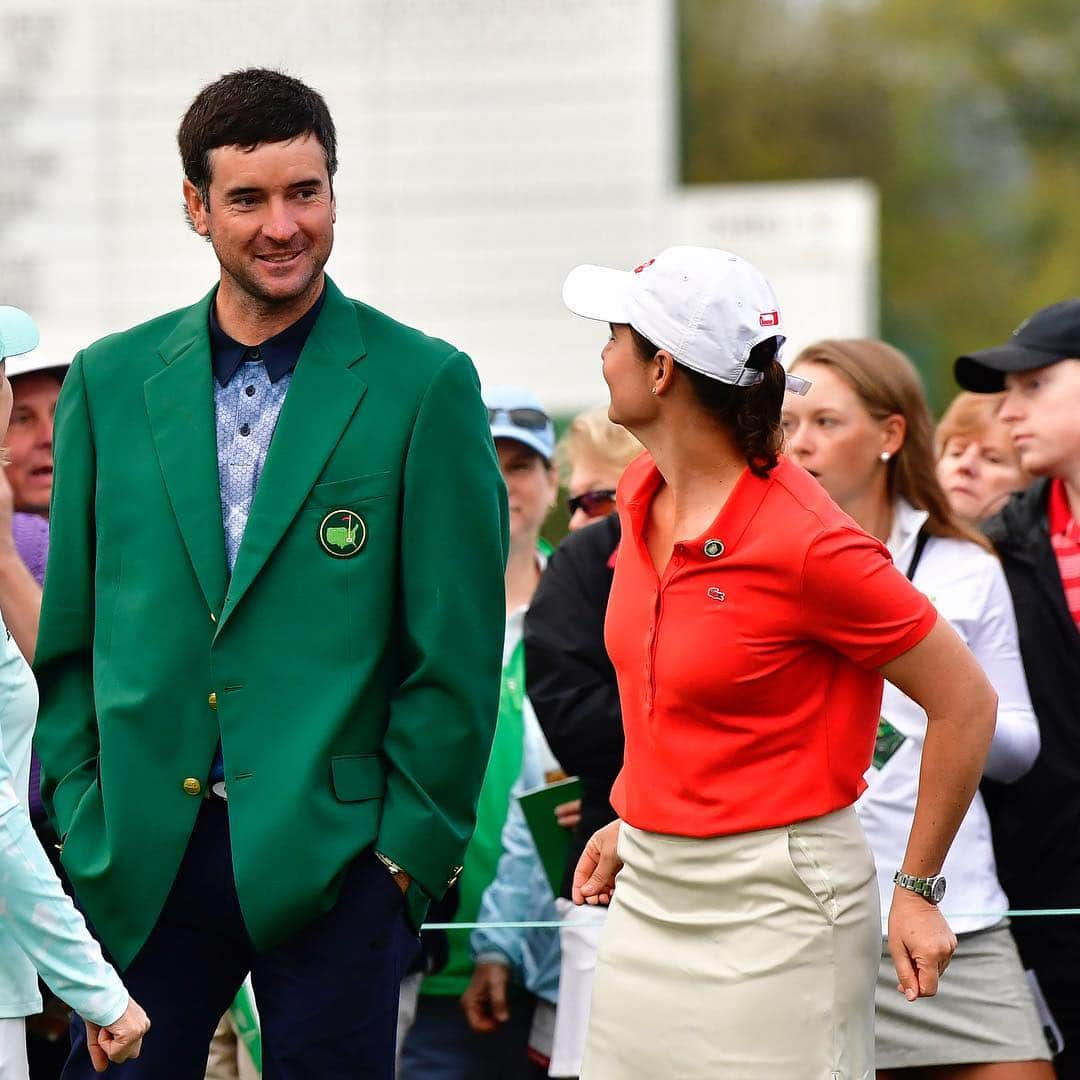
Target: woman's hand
120	1041
594	877
921	944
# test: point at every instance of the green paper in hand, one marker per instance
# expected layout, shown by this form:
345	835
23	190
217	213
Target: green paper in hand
551	839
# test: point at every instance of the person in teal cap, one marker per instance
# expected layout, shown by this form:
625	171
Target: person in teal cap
41	931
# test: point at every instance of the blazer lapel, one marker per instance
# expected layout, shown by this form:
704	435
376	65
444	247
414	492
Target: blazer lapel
180	405
322	397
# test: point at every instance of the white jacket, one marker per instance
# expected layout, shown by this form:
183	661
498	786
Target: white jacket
967	586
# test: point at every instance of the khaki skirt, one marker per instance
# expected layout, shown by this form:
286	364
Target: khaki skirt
748	956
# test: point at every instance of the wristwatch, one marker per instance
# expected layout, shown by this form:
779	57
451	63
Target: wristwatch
389	863
929	888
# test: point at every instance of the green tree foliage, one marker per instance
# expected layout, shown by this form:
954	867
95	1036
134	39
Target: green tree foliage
966	116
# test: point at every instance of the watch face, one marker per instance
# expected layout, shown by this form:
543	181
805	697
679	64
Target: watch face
937	893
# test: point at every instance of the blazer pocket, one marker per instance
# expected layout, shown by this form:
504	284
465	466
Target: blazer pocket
340	493
357	777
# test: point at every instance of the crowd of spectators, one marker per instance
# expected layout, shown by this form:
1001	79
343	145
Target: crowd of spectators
980	513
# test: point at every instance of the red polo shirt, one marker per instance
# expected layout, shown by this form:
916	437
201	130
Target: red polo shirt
747	672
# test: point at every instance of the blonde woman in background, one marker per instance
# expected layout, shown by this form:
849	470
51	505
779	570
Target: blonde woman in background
572	687
977	464
864	431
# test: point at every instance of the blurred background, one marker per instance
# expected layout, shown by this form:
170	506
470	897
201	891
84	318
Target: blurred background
898	168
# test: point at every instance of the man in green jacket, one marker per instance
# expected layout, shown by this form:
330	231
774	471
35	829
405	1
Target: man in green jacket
271	634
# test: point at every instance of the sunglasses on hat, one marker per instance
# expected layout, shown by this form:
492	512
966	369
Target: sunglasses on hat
594	503
529	419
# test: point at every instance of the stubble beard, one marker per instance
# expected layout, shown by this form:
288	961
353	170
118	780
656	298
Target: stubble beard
249	285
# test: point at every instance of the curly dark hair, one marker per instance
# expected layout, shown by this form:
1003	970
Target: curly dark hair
246	108
750	413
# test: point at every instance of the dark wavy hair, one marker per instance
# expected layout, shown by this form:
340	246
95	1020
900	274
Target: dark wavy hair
750	413
247	108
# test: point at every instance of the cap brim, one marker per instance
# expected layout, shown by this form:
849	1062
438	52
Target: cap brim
18	333
597	292
984	372
534	441
29	363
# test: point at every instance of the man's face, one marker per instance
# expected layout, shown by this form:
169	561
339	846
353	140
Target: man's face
30	440
1040	409
530	488
270	217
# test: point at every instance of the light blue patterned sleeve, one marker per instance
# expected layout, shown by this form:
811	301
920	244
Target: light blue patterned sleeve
40	918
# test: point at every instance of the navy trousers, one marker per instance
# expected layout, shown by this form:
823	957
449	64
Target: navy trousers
327	998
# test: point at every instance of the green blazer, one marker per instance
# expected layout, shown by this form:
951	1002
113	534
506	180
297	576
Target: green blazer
351	673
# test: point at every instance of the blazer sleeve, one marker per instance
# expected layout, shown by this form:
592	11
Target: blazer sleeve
66	737
452	612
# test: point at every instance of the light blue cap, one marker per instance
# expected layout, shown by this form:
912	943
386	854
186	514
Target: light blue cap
502	401
18	332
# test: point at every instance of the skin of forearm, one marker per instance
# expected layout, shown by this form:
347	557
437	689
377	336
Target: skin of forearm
20	602
954	752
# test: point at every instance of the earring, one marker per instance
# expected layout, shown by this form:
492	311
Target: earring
885	455
653	390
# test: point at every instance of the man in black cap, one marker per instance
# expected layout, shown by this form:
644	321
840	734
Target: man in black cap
1036	821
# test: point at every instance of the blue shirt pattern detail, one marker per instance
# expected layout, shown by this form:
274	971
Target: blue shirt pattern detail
247	411
250	384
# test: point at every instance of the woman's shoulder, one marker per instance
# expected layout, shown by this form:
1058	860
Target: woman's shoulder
798	494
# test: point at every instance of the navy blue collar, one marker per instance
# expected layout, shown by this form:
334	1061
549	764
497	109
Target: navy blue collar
278	354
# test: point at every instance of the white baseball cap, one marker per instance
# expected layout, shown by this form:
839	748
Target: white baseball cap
706	307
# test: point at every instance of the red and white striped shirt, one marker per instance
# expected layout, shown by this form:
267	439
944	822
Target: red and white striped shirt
1065	540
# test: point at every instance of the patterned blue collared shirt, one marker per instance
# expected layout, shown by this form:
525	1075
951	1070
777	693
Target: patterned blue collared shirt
250	384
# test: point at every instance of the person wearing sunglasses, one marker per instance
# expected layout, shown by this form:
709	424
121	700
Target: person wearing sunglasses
590	505
572	687
751	625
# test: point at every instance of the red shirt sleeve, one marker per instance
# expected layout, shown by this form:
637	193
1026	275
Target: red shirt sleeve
855	601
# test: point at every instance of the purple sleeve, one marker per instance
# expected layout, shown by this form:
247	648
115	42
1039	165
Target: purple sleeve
31	534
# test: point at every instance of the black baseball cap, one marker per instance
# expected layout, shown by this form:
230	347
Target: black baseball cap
1050	335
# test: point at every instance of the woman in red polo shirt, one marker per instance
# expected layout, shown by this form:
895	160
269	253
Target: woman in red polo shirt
750	624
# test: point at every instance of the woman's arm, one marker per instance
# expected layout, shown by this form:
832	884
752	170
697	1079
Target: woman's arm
995	644
941	674
45	924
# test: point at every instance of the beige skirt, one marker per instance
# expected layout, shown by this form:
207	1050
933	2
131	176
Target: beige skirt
749	957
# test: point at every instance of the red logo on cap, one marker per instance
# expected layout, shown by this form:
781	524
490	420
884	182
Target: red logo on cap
638	269
770	318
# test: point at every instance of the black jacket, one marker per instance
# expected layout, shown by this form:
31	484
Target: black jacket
569	677
1036	821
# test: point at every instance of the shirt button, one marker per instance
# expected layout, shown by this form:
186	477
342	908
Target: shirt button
245	429
254	353
249	390
192	786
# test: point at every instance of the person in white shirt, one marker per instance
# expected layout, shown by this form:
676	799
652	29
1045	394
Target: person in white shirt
864	431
